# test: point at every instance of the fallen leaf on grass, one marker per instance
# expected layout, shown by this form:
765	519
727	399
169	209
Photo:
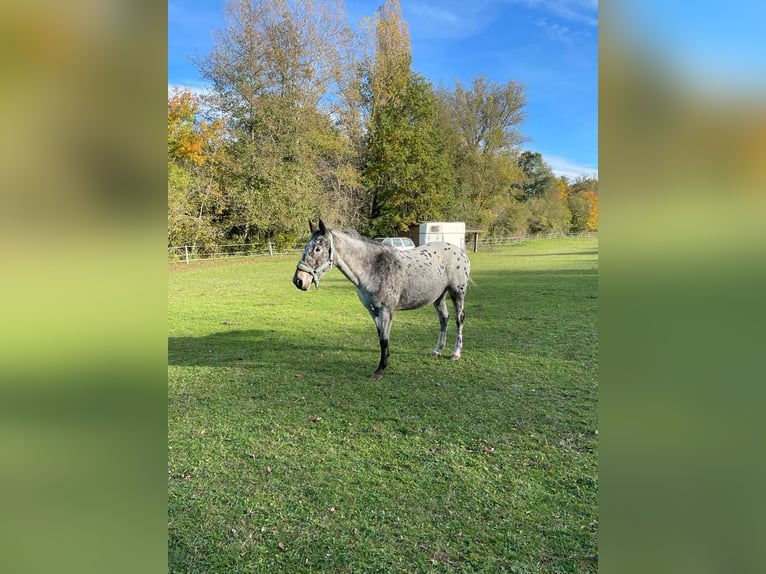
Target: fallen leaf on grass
282	546
315	418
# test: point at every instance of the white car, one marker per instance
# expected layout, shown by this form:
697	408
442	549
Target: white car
401	243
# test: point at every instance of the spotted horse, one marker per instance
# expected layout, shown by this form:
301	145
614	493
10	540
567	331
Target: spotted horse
388	280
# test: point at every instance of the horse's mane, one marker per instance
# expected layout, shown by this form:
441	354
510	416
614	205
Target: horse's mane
359	237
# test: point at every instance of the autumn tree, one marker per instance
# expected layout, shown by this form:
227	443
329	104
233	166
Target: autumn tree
538	177
277	71
194	200
548	213
545	195
592	198
583	203
485	117
404	167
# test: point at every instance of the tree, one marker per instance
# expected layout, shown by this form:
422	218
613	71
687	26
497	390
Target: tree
592	198
193	197
405	163
548	214
487	115
277	70
539	178
580	209
386	65
404	167
485	119
583	202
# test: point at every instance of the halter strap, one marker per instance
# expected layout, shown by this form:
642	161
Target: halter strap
323	268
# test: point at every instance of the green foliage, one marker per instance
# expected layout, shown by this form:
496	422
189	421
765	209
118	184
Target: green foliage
548	214
582	201
305	121
484	122
193	202
404	168
580	210
271	69
514	220
487	115
539	179
583	184
284	457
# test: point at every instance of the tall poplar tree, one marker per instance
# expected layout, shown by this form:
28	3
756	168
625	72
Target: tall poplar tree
404	168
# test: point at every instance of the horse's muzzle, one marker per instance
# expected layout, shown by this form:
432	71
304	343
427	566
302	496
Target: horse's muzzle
302	280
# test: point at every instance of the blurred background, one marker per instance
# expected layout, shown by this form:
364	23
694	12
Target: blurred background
82	230
83	288
682	116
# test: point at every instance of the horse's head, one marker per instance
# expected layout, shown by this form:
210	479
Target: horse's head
318	257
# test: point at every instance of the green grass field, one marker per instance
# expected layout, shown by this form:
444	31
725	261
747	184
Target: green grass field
283	455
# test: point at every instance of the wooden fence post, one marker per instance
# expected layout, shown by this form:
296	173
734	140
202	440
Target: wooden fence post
186	249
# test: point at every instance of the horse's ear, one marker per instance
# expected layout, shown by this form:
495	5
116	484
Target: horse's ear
312	227
322	227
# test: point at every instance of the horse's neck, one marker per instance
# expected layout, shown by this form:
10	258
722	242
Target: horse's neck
349	257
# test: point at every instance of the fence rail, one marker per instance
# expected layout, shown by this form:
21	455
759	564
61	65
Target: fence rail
195	253
489	241
188	253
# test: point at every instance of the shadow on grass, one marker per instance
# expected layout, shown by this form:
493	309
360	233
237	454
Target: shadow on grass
354	353
255	347
499	308
287	424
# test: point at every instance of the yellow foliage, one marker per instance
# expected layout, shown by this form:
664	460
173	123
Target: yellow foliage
592	197
188	138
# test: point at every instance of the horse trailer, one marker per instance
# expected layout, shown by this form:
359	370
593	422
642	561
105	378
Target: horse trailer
446	231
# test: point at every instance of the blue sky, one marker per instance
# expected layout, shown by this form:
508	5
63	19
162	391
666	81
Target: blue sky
550	46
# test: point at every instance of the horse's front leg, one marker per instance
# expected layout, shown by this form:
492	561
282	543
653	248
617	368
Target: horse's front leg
383	318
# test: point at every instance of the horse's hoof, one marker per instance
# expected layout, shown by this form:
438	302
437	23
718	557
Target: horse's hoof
377	375
436	355
455	357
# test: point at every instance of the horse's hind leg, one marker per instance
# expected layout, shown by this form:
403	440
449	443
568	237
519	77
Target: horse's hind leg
458	298
441	309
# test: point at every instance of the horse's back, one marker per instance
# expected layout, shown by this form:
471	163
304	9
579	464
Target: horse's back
454	261
431	269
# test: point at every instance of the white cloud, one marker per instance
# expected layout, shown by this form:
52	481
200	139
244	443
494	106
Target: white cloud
457	19
196	88
449	19
563	166
582	11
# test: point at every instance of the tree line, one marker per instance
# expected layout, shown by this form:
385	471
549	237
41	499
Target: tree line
308	116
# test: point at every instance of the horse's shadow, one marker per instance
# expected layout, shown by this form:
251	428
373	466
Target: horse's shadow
252	348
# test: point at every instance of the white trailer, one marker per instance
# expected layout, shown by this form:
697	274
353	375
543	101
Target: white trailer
447	231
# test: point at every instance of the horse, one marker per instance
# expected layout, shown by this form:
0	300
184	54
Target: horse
388	280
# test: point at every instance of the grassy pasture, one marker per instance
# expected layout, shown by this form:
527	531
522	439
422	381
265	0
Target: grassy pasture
283	456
